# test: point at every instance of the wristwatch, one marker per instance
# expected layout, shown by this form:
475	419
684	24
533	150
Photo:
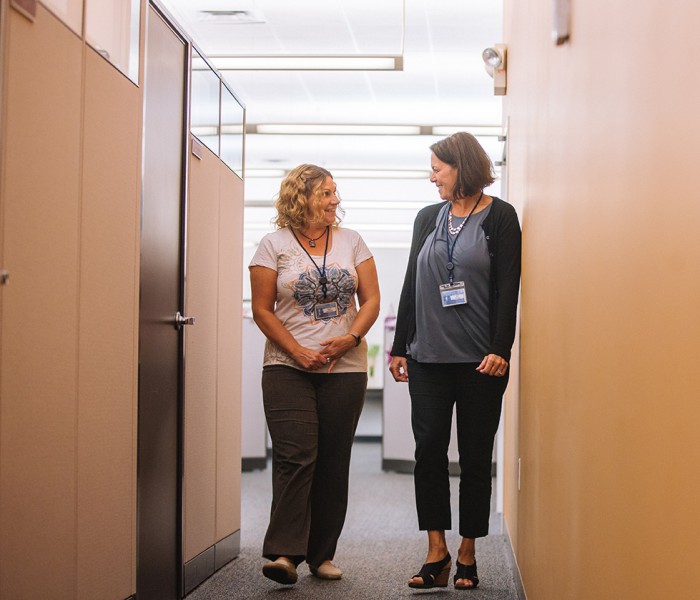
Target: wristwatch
358	338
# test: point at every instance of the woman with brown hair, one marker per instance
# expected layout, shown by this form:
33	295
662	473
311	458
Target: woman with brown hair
305	278
454	332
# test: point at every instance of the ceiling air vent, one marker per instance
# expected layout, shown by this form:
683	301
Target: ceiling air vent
237	17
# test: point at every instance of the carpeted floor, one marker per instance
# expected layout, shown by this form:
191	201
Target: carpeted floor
379	550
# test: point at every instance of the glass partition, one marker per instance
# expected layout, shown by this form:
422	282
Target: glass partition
232	123
112	28
205	103
69	11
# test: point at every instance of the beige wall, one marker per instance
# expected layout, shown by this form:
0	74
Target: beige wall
70	200
602	146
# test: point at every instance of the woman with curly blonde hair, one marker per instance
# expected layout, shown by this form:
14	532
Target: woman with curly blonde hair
305	279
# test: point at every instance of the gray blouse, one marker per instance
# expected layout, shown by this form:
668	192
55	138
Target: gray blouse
457	333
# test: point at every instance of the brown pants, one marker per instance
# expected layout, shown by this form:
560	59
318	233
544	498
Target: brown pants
312	419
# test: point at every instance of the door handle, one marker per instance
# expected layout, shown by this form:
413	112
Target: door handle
181	320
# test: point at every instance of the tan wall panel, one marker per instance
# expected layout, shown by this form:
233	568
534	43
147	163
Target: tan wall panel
201	354
511	420
602	152
108	359
40	188
228	454
511	405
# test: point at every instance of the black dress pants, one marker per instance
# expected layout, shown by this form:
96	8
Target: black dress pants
312	419
435	388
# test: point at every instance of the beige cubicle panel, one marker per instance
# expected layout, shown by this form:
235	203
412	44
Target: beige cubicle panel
228	516
40	239
212	366
69	206
70	189
201	351
108	369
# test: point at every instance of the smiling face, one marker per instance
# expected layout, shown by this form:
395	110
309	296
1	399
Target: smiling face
444	176
328	201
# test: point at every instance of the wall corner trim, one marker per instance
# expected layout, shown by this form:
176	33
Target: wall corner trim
513	563
26	8
197	148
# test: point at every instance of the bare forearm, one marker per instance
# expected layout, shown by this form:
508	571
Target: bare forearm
366	317
274	331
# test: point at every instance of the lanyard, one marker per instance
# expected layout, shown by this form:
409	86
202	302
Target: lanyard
323	280
450	249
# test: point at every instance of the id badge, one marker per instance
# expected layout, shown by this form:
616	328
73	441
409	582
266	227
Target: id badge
329	310
453	294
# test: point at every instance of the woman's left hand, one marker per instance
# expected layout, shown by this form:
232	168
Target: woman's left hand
493	365
335	347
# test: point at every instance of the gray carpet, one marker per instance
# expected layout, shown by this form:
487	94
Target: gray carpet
379	550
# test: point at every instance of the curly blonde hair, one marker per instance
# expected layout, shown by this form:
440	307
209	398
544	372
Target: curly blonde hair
299	201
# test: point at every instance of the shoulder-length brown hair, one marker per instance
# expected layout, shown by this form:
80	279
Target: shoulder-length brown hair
474	167
299	201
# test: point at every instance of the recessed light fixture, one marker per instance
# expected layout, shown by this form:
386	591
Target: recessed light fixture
380	174
309	62
476	130
271	173
204	130
349	173
365	129
402	205
327	129
236	17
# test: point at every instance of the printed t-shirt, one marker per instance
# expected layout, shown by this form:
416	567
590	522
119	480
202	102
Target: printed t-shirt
299	292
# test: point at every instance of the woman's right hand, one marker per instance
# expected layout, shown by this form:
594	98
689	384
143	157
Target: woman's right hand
309	359
399	368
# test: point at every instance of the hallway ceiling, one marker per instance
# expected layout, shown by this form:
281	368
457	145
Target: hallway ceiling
443	82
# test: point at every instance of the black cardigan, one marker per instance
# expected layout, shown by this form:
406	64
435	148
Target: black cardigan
503	240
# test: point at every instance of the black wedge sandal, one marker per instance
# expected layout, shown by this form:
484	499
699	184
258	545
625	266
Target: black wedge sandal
466	572
434	574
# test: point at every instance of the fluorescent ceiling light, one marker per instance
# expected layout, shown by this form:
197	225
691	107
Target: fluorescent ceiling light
272	173
476	130
365	129
375	244
319	129
358	226
309	62
402	205
350	173
380	174
232	130
390	245
204	130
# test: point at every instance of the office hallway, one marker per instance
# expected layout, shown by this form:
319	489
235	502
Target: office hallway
379	549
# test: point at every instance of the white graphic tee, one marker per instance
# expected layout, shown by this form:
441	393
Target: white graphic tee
309	315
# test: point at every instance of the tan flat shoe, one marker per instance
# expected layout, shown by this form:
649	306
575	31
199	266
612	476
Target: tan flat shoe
281	570
326	571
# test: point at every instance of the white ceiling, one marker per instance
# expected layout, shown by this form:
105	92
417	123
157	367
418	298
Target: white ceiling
443	82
